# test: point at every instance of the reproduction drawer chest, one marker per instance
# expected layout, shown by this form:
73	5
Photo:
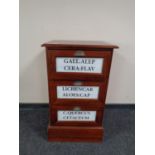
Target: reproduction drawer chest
78	74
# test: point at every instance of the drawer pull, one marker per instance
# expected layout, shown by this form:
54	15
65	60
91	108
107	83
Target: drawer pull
76	109
79	53
77	83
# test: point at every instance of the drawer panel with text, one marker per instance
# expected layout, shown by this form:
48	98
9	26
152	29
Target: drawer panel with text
82	65
76	115
77	93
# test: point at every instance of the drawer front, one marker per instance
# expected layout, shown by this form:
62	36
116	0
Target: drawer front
82	65
77	93
76	116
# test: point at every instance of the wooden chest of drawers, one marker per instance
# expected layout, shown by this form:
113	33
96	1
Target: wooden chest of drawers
78	74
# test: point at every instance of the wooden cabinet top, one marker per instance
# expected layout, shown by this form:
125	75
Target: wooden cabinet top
87	45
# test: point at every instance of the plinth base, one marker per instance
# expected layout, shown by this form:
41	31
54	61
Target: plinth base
75	134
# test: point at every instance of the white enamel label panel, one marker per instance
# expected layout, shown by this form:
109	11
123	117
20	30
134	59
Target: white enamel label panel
77	92
83	65
76	115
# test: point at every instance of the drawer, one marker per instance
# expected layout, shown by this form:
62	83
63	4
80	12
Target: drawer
76	116
78	64
77	93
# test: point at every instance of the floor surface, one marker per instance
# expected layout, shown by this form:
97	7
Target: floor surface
119	124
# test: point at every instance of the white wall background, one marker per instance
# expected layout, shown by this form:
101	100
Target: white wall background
105	20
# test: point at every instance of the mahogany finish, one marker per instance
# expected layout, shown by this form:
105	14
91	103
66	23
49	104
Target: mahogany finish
53	75
98	121
78	131
93	102
75	134
94	45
